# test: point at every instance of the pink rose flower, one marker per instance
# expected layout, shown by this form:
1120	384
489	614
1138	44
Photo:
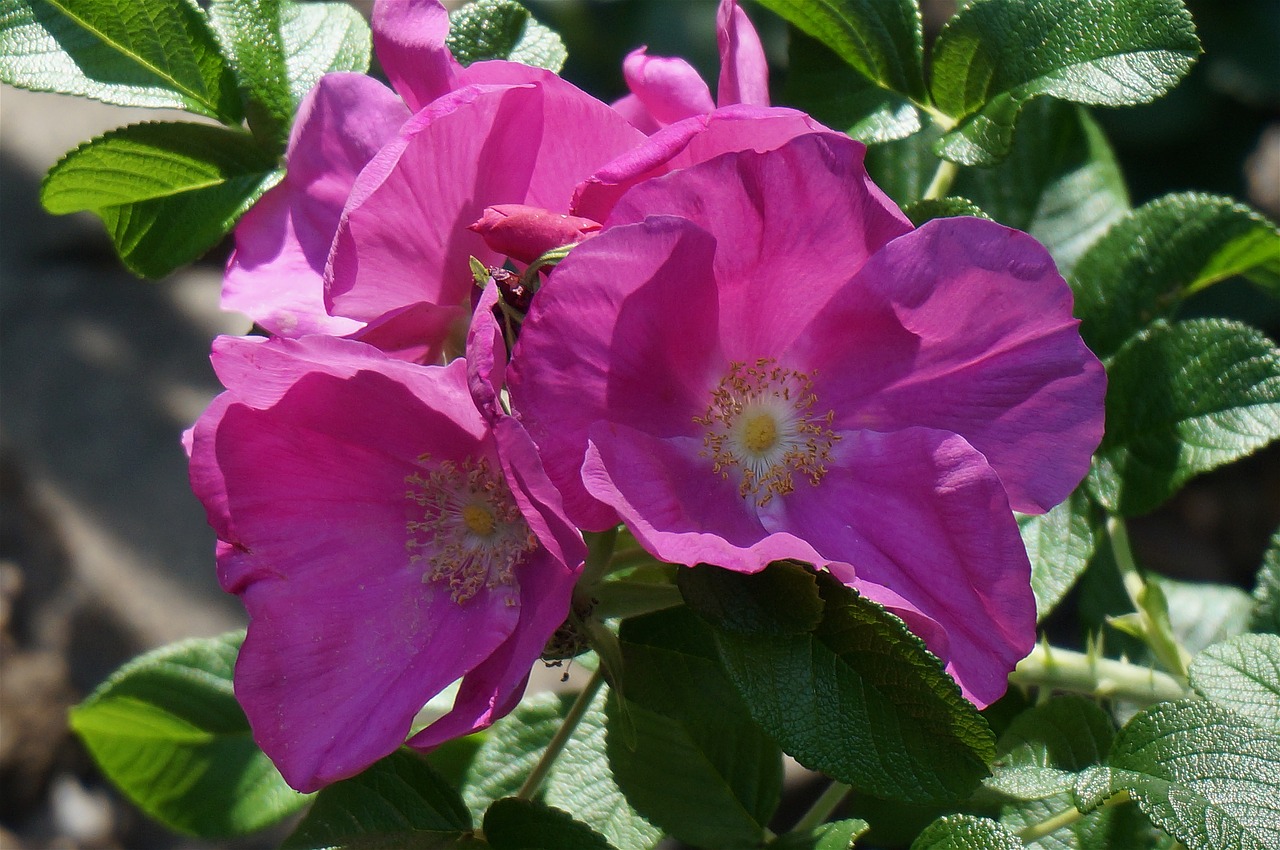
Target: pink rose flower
387	537
759	358
667	90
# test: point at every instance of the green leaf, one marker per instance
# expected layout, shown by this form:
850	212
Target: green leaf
995	56
700	768
319	38
503	29
167	730
514	824
1060	545
1162	252
1110	828
904	167
1266	594
250	34
858	698
1060	183
1207	777
166	192
782	600
1242	675
156	53
398	802
882	39
1202	613
819	83
1183	399
966	832
580	781
921	211
837	835
1044	747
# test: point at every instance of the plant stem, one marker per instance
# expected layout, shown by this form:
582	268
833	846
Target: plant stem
942	180
1065	818
557	745
633	598
822	808
1148	601
1078	672
599	552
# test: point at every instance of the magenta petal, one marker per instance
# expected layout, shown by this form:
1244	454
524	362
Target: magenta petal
921	513
791	242
693	140
403	236
744	73
677	508
275	274
670	89
408	36
999	361
574	343
632	108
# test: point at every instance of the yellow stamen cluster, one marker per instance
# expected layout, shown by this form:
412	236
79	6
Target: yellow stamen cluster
470	534
760	421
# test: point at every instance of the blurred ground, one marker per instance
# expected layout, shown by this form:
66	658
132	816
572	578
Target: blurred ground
104	552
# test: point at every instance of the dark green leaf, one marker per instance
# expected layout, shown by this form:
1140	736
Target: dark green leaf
319	38
838	835
819	83
398	802
882	39
994	57
1207	777
781	600
922	211
503	29
860	699
1059	544
1060	182
966	832
167	730
700	768
1181	400
580	781
1045	746
250	35
166	192
1243	675
157	53
1110	828
1160	253
904	167
514	824
1266	595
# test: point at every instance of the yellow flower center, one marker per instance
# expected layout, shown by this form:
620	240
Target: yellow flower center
760	422
467	532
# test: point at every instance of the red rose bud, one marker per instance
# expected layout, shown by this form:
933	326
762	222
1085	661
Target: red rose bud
526	233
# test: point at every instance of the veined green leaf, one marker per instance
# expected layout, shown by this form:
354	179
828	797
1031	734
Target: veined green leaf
819	83
503	29
1060	545
1040	753
1265	616
921	211
1181	400
167	730
1206	776
250	35
156	53
1160	253
966	832
995	56
515	824
399	802
319	38
882	39
858	697
1243	675
166	192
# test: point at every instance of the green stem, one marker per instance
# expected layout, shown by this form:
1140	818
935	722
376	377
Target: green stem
942	180
1148	600
557	745
633	598
1056	822
822	807
1077	672
599	553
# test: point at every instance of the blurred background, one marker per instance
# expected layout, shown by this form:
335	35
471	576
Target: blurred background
104	552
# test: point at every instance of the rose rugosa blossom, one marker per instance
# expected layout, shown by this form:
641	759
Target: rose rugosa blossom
759	358
665	90
527	136
387	536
